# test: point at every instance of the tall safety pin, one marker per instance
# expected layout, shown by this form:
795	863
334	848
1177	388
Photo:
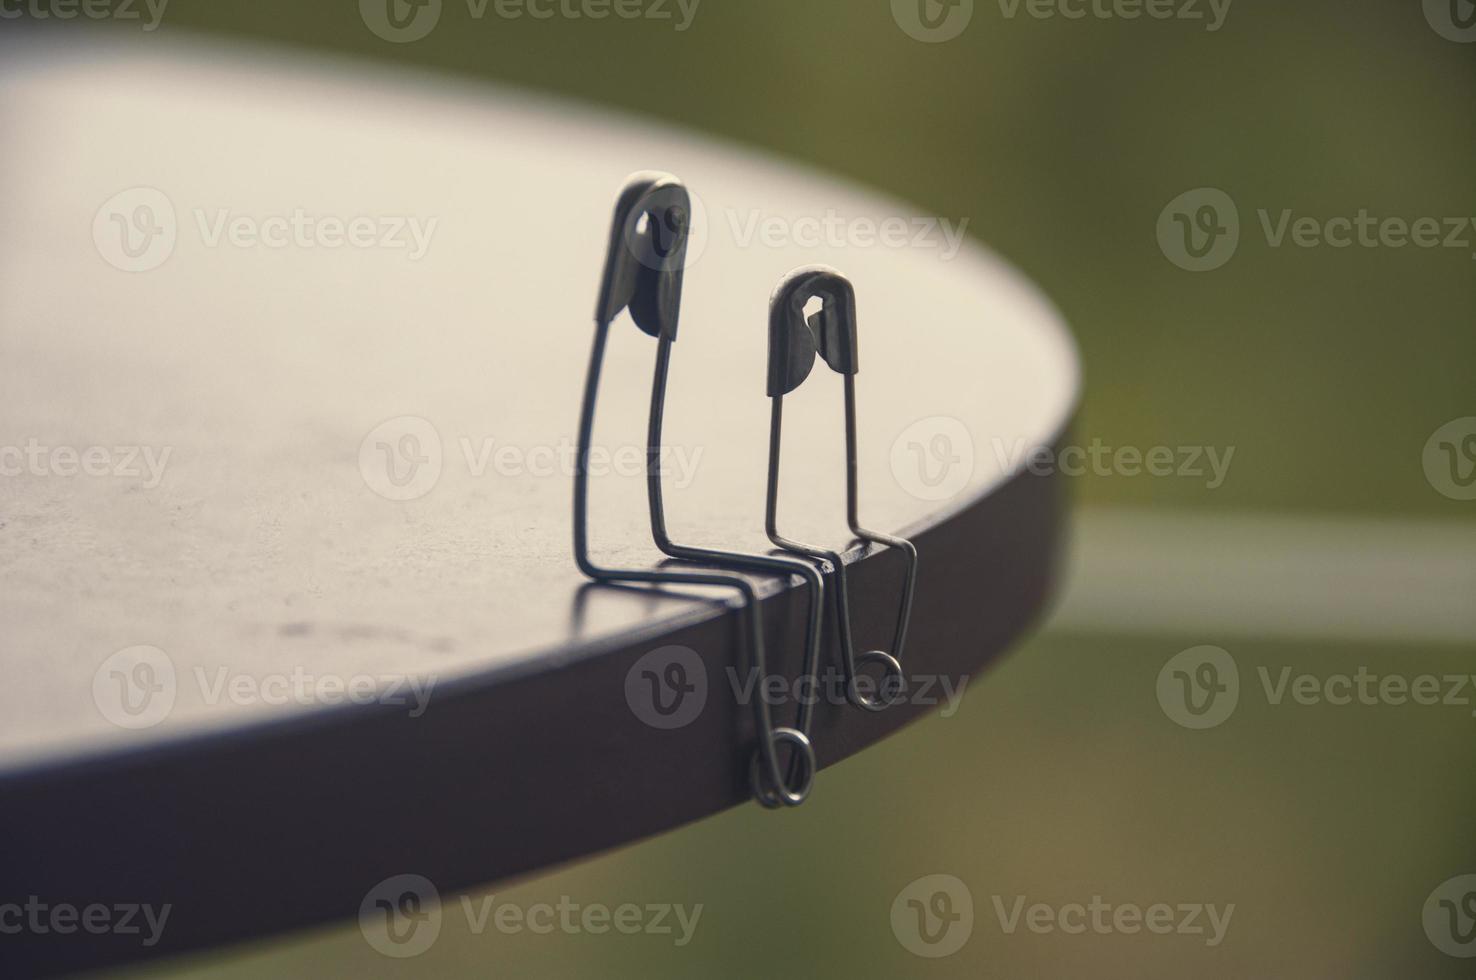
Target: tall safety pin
644	269
794	340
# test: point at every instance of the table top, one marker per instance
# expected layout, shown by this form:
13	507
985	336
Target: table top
255	376
290	363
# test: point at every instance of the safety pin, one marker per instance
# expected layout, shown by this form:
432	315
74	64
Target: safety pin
794	340
644	268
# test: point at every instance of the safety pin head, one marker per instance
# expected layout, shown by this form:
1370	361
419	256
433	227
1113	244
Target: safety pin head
647	254
794	339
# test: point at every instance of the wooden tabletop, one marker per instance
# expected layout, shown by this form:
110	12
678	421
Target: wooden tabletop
290	360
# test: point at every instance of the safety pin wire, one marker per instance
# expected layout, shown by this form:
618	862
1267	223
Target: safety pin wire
792	356
853	519
802	768
841	602
653	216
751	622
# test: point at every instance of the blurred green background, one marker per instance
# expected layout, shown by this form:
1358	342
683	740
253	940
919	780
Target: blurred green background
1328	370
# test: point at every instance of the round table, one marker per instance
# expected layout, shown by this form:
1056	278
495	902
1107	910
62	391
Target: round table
292	359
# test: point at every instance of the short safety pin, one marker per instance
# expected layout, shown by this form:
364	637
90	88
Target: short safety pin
794	340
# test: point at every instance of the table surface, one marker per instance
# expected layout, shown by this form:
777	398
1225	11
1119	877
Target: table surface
273	377
261	372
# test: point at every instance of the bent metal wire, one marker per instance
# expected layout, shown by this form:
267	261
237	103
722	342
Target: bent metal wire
644	269
794	340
